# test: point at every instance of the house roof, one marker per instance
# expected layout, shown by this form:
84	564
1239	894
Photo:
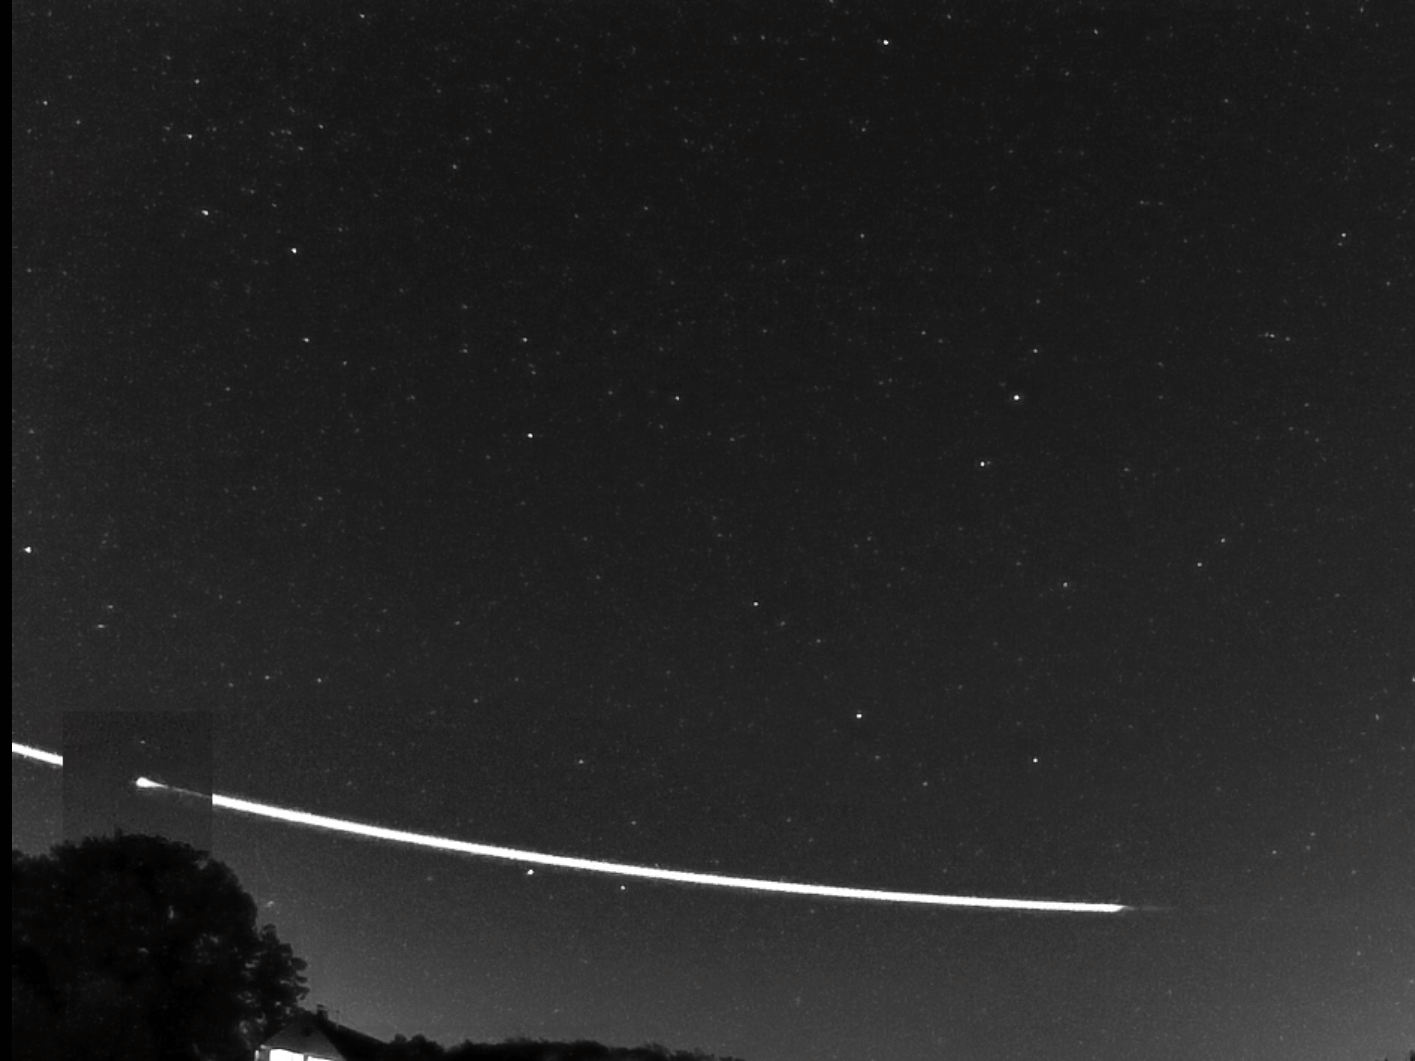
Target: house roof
315	1033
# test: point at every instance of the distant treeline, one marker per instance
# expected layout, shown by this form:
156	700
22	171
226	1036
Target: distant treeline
421	1049
139	948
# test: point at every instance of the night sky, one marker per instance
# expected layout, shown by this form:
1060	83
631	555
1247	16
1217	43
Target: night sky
959	449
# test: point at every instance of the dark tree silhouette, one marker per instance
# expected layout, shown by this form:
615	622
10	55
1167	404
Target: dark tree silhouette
418	1048
133	946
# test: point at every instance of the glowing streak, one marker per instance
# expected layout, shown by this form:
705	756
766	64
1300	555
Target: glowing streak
37	754
618	869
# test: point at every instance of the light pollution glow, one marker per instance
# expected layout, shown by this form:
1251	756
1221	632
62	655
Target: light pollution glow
617	869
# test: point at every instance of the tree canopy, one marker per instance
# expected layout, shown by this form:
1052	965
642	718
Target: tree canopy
132	946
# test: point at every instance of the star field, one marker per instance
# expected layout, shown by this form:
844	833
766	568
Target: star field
947	449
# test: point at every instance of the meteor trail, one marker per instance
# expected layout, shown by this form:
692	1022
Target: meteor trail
37	754
618	869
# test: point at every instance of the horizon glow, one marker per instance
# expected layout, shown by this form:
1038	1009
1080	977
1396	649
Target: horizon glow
618	869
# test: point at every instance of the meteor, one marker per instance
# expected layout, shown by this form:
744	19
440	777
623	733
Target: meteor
617	869
37	754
